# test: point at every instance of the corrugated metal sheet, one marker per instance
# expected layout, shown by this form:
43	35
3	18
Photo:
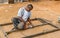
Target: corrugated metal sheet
4	1
14	1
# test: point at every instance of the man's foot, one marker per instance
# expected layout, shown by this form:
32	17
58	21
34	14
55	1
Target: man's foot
30	26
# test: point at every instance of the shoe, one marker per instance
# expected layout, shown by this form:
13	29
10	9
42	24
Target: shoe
30	26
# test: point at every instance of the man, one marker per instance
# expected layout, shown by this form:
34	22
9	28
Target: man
23	16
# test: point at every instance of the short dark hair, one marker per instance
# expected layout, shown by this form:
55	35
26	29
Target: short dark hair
30	6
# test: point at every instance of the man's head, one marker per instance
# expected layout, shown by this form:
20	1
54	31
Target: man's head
29	7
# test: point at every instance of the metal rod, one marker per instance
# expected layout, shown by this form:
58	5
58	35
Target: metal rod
43	33
5	34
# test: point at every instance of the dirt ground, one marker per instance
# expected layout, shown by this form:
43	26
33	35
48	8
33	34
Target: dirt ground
47	9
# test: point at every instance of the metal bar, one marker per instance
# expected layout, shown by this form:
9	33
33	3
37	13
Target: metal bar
53	25
42	20
47	21
43	33
5	34
6	24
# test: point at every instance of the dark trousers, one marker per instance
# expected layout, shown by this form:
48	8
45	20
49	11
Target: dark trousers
15	21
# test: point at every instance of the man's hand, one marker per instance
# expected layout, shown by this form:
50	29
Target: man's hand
21	19
30	22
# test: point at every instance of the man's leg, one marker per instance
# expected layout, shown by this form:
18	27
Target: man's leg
24	27
15	22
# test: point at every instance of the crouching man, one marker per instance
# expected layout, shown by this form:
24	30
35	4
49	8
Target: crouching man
22	17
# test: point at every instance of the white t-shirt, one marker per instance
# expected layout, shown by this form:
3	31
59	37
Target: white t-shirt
24	14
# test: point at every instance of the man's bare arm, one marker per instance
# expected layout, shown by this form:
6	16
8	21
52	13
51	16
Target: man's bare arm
21	19
29	21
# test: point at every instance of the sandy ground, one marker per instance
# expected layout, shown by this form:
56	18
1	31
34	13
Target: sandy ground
48	9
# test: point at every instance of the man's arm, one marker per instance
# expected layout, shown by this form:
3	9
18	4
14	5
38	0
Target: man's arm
30	21
21	19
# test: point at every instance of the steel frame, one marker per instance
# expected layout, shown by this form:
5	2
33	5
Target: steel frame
42	20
